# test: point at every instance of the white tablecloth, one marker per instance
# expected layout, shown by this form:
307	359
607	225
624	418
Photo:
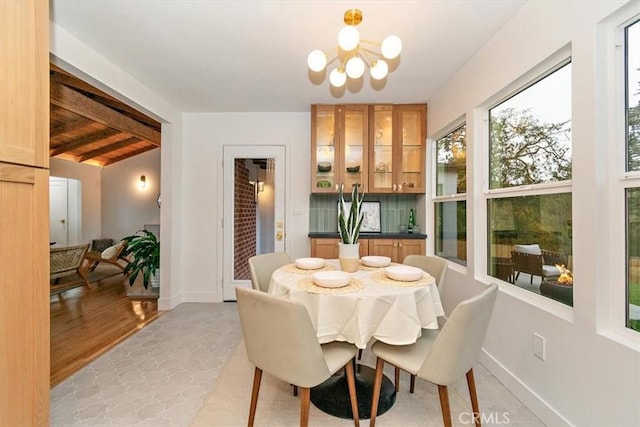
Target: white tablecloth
391	314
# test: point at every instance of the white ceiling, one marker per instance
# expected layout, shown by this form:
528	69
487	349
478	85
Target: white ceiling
251	55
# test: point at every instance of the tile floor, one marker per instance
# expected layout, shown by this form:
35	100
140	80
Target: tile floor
187	367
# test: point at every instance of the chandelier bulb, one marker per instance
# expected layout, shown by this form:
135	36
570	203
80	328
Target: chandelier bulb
337	77
379	70
355	67
391	47
317	60
348	38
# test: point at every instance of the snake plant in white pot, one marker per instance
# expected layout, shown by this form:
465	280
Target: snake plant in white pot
349	222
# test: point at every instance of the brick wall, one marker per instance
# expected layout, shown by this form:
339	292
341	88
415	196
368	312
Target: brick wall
245	222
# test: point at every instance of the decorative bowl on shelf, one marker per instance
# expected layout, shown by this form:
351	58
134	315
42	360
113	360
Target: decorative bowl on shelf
353	169
309	263
404	273
331	279
376	261
324	167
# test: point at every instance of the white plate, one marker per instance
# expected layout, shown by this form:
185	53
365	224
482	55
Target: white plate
404	273
331	279
309	263
376	261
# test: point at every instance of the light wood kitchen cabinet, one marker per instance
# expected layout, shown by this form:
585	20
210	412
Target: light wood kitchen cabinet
339	147
24	74
396	249
397	154
24	213
327	248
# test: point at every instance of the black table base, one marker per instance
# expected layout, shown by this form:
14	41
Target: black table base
332	396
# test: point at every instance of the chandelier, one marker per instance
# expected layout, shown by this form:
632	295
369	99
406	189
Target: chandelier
353	58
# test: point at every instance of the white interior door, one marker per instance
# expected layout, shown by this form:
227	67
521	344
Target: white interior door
58	218
275	155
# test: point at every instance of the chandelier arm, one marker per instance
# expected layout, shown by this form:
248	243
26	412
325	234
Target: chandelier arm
375	43
363	55
332	60
372	52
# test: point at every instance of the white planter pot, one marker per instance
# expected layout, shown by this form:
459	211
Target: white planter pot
154	280
349	255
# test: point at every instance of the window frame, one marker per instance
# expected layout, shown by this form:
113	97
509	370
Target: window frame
455	197
546	67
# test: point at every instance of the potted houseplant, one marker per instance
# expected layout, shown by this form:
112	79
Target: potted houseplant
143	250
349	222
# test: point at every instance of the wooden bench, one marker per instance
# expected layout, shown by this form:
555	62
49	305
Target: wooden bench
66	262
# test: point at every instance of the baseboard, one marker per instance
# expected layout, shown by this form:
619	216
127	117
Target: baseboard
169	303
547	414
201	297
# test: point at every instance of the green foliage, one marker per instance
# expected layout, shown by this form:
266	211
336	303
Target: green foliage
452	155
349	223
144	249
525	151
633	138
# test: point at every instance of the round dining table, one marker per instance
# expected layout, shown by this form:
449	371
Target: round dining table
371	307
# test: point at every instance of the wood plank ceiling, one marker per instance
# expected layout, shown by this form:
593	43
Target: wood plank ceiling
89	126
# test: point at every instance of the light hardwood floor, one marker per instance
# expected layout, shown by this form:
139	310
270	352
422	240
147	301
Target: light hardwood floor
87	322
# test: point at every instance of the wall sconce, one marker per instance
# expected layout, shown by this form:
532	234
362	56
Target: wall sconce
143	181
260	186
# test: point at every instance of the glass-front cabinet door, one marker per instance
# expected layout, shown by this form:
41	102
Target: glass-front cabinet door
410	148
381	156
354	131
324	155
397	157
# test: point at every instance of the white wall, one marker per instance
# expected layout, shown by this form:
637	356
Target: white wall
204	137
90	177
590	377
126	207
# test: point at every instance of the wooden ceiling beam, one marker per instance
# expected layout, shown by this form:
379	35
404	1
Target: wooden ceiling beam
129	154
71	100
88	139
104	98
108	148
69	126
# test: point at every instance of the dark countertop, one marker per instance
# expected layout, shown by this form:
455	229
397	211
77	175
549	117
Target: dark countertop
335	235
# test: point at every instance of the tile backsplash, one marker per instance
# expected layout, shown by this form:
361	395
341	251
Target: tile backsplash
394	210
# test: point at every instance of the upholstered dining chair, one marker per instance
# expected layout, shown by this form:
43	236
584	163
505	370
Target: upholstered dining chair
262	267
442	356
280	339
437	268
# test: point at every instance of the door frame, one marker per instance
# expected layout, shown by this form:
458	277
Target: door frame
230	153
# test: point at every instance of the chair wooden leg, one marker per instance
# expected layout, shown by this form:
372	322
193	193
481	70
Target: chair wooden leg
377	383
412	385
257	376
84	278
444	404
295	390
305	400
397	378
351	381
471	382
359	354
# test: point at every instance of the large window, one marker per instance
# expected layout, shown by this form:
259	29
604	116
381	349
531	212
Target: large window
633	166
529	202
450	201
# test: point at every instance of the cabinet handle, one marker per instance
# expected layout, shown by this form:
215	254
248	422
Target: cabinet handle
395	244
394	187
399	187
400	244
